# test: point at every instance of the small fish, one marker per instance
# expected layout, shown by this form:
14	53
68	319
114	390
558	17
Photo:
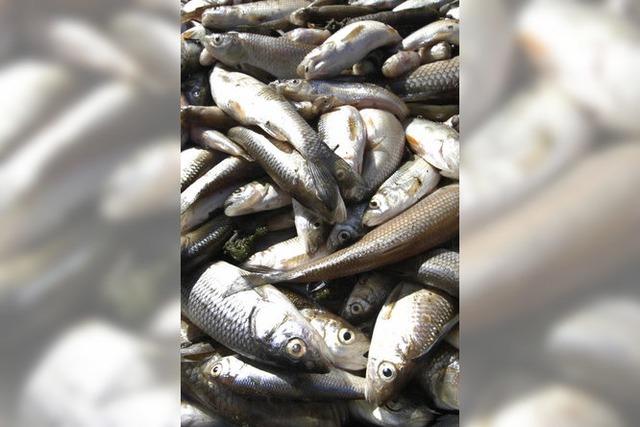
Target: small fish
278	56
259	323
206	241
401	63
311	229
437	81
436	143
437	52
368	296
204	207
400	412
344	132
282	256
409	323
444	30
327	95
250	14
385	146
347	344
440	377
411	182
311	36
256	196
345	48
214	140
346	232
244	378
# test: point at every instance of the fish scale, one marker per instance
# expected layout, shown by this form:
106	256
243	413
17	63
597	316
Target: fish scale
436	80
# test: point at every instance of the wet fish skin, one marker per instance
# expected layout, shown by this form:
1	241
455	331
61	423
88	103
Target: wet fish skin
435	81
254	103
401	63
436	143
427	224
250	14
345	48
215	140
288	170
346	343
205	242
440	377
385	147
312	36
259	323
404	21
256	196
411	4
194	163
410	321
344	132
439	268
346	232
283	256
400	412
327	95
241	410
367	296
444	30
412	181
244	378
437	52
278	56
311	229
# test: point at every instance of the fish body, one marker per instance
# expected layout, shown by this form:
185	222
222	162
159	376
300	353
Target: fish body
327	95
259	323
206	241
311	229
195	162
202	209
437	52
346	232
278	56
253	103
444	30
440	378
215	140
346	47
401	63
385	147
436	143
409	323
327	13
344	132
412	4
256	196
249	14
428	223
206	115
404	21
246	379
438	267
283	256
411	182
367	296
435	81
311	36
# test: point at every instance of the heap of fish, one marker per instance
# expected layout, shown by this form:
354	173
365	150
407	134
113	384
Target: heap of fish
319	212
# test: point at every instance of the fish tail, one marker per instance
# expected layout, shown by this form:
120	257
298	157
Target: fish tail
325	186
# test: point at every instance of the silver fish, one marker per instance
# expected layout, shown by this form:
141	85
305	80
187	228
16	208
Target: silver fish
313	36
194	163
346	232
231	17
343	130
436	143
437	52
256	196
444	30
414	4
244	378
259	323
409	323
214	140
438	268
367	296
440	377
385	146
411	182
346	343
282	256
346	47
311	229
401	63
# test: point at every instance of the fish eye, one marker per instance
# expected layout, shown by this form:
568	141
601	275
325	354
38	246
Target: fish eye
216	371
295	82
345	336
238	190
217	39
343	236
393	405
296	348
387	371
340	174
373	204
356	308
317	224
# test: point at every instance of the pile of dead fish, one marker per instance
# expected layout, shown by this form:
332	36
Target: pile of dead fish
319	212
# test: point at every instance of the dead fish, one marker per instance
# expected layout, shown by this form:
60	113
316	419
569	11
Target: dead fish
436	143
367	296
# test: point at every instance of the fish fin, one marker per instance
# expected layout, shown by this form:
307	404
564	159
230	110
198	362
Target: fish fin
253	280
272	131
448	327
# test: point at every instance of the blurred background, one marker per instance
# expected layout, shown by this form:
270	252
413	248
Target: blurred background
550	222
89	261
550	213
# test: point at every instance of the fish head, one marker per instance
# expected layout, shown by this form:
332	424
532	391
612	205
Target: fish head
352	187
222	370
317	63
242	199
378	206
295	89
293	342
356	309
403	411
342	235
385	376
347	344
226	47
